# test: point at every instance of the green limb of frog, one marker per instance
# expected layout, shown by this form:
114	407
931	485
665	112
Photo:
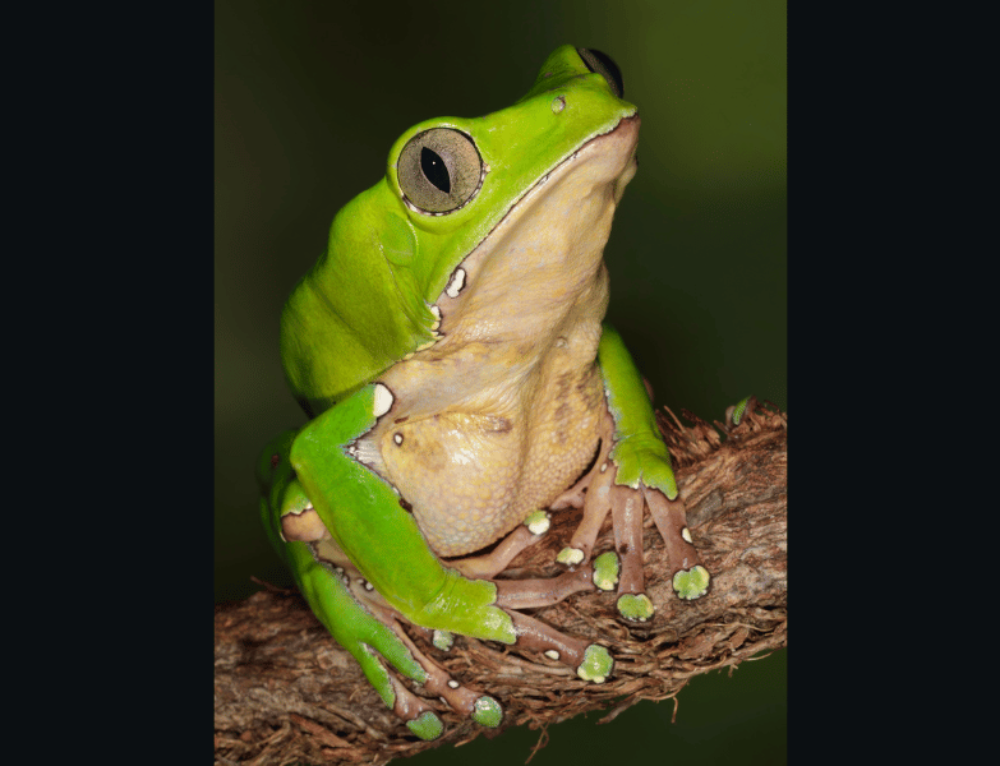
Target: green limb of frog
353	612
633	473
334	517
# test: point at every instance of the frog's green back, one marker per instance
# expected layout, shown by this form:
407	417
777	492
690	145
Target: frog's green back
353	314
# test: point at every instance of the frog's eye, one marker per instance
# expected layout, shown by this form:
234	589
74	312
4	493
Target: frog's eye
604	65
440	170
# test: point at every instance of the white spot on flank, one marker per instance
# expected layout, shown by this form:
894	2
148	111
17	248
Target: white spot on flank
552	654
604	466
368	585
383	400
686	534
452	684
456	284
398	438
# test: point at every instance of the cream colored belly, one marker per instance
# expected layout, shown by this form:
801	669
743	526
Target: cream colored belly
472	476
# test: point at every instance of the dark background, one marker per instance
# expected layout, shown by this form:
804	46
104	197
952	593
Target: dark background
309	98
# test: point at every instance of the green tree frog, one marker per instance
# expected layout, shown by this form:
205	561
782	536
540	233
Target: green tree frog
449	349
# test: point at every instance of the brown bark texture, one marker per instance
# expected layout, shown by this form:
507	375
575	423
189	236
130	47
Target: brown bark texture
286	692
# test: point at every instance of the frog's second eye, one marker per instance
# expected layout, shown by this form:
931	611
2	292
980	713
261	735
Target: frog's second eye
604	65
440	170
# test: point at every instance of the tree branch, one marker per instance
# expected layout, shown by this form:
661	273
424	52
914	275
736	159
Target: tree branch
284	690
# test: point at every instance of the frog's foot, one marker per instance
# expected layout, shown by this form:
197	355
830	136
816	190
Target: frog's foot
370	629
420	717
481	708
488	566
626	505
418	714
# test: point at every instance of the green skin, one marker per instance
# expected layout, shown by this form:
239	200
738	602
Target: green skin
339	344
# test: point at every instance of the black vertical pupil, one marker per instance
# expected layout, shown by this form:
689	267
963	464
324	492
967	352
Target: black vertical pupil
434	169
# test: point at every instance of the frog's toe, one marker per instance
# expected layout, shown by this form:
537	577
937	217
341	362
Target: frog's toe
606	570
692	583
690	579
418	715
592	662
483	709
597	664
627	509
489	565
596	504
487	712
426	726
635	607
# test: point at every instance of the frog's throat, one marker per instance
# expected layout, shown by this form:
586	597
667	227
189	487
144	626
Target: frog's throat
520	331
605	163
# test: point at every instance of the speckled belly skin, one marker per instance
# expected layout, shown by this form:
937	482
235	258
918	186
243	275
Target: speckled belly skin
474	471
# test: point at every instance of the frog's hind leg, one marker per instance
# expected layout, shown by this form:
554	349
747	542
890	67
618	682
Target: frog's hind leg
633	472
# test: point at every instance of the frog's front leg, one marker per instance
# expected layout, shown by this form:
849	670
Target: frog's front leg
633	472
351	610
367	520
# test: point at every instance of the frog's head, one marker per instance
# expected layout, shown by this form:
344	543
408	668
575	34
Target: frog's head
457	179
520	199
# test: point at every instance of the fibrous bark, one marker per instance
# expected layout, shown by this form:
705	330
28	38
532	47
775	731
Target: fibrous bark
286	692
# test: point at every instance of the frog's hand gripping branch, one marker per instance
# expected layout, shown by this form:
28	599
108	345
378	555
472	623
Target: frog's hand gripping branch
338	598
334	504
633	471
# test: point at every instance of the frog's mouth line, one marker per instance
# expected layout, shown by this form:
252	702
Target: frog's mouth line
624	122
459	277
